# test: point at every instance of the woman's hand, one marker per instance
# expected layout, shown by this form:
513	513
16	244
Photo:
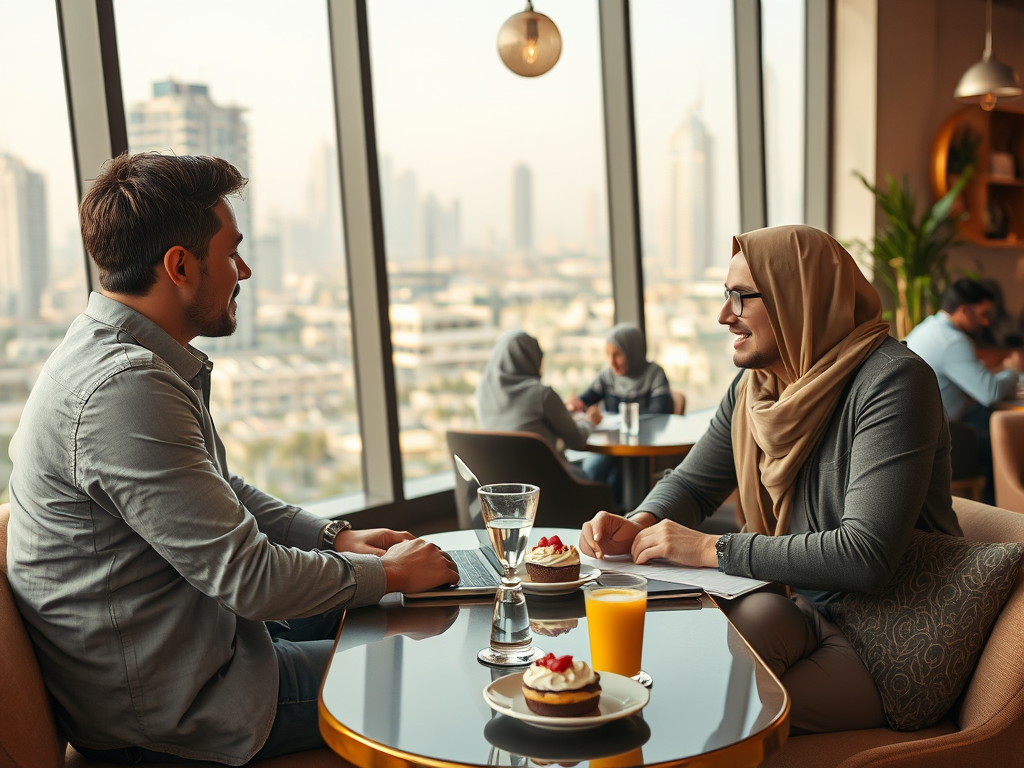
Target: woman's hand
609	534
575	405
594	414
671	541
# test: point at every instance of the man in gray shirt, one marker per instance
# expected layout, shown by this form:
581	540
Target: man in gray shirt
152	580
836	438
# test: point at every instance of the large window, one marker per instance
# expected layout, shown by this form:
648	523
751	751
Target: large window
685	101
42	264
783	56
493	188
250	81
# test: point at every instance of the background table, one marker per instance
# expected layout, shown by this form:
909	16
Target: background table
416	699
661	434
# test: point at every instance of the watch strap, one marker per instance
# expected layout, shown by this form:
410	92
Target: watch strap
331	531
722	549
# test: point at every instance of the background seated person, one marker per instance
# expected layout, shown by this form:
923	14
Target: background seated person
968	388
837	440
511	397
629	378
153	581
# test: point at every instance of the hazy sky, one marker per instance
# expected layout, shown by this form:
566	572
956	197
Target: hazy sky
445	105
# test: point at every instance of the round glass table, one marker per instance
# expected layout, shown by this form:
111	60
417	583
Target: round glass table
404	687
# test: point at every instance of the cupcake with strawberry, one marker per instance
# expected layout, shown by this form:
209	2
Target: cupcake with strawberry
558	686
552	561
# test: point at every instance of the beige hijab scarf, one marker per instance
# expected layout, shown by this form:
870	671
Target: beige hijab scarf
827	319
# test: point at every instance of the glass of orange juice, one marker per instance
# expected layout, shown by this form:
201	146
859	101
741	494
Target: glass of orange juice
616	605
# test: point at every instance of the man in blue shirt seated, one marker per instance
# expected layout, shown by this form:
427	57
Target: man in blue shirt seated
154	581
967	387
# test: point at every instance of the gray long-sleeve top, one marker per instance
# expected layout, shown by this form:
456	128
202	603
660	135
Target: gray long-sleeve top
143	568
880	470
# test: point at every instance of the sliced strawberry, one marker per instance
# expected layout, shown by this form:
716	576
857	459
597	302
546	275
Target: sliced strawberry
545	660
555	542
543	542
560	664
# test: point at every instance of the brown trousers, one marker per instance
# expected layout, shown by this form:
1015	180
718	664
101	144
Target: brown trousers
829	687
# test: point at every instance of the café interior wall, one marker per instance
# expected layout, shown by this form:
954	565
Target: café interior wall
923	48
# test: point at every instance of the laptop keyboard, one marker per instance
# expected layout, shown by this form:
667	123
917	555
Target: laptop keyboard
474	571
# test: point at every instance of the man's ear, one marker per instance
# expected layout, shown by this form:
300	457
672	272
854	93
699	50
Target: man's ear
180	266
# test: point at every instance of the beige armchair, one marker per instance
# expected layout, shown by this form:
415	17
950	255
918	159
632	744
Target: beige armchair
986	728
1008	458
28	737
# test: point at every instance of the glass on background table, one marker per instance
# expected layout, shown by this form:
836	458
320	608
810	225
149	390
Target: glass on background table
408	690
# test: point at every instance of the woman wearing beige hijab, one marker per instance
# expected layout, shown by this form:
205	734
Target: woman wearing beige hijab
836	438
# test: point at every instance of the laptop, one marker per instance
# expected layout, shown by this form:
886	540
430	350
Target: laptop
480	570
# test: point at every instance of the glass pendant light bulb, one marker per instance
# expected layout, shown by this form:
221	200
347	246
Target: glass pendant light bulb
530	51
529	43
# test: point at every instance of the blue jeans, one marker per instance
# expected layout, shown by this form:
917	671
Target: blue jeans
303	649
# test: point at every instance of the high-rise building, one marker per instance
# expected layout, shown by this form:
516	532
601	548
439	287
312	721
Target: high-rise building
182	118
522	209
24	250
439	228
686	237
400	199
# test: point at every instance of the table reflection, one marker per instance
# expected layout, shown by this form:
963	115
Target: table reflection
407	679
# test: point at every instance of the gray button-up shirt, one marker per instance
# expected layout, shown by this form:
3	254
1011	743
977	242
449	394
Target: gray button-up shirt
143	568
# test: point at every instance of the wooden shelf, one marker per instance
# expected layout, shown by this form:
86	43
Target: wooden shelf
999	130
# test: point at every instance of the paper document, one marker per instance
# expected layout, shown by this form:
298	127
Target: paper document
711	580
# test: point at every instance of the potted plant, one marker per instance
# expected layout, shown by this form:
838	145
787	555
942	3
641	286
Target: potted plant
909	254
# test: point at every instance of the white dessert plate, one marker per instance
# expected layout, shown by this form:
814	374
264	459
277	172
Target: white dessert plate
620	697
531	587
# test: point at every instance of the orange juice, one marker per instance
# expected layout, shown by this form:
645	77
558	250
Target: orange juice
615	617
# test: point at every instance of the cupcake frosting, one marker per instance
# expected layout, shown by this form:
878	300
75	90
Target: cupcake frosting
553	553
575	676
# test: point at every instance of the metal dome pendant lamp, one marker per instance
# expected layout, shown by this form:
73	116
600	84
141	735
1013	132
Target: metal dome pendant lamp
989	80
529	42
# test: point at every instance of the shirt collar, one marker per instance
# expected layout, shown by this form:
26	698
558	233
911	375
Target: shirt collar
186	361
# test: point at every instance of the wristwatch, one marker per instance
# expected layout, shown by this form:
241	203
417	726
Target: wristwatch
331	531
721	547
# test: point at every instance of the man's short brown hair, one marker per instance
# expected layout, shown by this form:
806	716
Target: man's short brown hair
142	205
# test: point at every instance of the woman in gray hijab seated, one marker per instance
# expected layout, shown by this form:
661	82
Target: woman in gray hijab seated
630	378
510	396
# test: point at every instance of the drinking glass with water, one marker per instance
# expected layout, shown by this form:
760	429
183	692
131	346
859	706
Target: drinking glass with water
509	510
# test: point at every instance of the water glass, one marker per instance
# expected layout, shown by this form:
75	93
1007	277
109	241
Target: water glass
629	419
509	510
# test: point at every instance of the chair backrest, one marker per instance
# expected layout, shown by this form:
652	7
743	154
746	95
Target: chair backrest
678	403
1008	458
523	457
27	733
996	689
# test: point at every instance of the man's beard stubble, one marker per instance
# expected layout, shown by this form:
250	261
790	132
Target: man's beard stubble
205	318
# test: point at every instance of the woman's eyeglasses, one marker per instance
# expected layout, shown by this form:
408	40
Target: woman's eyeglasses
735	299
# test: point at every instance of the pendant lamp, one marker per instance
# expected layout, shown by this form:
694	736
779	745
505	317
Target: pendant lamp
989	80
529	42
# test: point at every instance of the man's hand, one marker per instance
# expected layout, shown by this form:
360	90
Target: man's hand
416	566
374	541
609	534
594	414
671	541
1014	361
575	405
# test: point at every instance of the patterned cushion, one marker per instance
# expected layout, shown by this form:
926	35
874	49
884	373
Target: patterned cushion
922	636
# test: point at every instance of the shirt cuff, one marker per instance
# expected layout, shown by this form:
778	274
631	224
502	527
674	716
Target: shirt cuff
304	532
635	512
736	560
370	581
